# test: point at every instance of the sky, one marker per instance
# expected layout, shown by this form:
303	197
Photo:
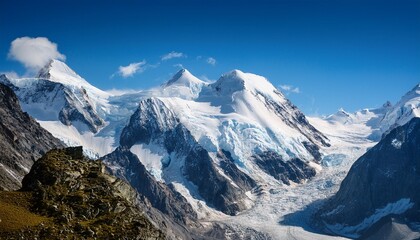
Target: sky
323	54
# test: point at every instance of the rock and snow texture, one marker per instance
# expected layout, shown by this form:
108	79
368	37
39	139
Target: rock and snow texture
69	107
22	140
224	136
225	115
382	182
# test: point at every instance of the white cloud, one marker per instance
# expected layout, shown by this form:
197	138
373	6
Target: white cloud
290	89
131	69
211	61
171	55
11	74
34	53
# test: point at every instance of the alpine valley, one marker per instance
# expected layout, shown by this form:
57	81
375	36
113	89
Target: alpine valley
229	159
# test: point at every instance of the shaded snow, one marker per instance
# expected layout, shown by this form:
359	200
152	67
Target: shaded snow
94	145
151	156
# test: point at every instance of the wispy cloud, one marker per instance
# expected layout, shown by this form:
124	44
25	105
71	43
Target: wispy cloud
131	69
34	53
211	61
171	55
290	89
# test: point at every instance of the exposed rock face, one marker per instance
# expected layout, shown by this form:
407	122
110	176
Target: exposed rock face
231	170
211	185
73	111
80	199
22	140
293	117
126	165
294	170
382	182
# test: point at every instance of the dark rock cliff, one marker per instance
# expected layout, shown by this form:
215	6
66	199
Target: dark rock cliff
22	140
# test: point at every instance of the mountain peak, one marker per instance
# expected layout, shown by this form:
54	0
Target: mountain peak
53	67
235	73
58	71
185	78
236	80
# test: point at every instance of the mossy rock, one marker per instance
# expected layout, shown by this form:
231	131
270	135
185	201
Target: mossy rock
66	196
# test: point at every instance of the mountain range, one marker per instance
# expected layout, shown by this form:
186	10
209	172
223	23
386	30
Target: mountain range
218	158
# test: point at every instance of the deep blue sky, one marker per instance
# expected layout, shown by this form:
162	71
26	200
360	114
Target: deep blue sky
350	54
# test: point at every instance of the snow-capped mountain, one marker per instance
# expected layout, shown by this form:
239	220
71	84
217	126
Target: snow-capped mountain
218	144
69	107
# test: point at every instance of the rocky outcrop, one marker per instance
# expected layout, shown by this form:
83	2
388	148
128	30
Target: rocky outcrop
382	182
80	199
22	140
294	170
